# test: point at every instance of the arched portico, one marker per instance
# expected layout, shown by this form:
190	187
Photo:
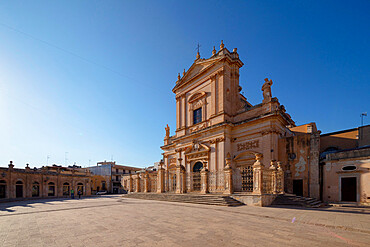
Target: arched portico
19	189
66	189
35	189
3	191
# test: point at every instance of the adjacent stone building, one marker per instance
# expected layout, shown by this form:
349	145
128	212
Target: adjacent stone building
107	176
48	181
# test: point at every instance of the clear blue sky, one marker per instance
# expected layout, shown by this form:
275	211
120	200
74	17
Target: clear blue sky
94	78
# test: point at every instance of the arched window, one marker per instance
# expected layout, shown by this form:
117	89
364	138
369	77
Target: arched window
35	189
197	116
51	189
66	189
198	166
2	189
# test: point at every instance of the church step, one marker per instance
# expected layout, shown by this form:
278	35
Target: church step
219	200
300	201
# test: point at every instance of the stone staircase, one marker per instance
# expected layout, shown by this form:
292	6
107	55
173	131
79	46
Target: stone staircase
298	201
218	200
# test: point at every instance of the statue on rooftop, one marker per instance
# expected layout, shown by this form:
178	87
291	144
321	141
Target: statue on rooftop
266	88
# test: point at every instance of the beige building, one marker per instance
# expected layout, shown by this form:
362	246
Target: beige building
48	181
107	176
345	166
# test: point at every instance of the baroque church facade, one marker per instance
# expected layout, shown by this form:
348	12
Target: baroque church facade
224	144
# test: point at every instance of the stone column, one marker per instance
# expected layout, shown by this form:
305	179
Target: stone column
130	187
137	181
167	179
146	182
10	185
280	175
228	179
273	177
160	179
204	179
180	178
258	175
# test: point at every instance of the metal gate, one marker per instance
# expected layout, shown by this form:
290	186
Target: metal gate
196	181
172	181
247	178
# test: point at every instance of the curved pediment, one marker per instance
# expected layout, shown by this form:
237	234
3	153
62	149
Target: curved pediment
196	96
246	155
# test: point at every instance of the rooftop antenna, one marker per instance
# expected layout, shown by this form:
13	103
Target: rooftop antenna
364	114
89	162
111	157
47	159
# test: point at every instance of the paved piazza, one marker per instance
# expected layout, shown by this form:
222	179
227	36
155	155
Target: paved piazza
117	221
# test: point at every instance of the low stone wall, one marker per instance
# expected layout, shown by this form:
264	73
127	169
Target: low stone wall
255	200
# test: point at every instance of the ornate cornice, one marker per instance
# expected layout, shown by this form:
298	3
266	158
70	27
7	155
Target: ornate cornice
219	139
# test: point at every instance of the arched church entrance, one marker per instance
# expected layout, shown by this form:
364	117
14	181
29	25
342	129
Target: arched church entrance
196	176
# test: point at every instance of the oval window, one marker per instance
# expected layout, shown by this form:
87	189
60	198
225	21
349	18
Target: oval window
349	168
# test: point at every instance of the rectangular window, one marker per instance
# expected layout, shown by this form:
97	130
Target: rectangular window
197	116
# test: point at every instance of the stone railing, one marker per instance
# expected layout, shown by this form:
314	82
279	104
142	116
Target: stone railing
268	180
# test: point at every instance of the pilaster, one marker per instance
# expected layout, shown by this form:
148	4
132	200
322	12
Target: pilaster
258	175
204	179
146	182
130	184
137	183
228	171
160	179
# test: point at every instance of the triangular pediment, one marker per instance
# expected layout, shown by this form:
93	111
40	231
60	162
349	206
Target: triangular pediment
197	68
201	65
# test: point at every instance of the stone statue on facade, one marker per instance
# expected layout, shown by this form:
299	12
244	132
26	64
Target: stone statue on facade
167	128
266	89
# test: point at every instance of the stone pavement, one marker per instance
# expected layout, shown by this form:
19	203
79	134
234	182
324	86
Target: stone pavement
117	221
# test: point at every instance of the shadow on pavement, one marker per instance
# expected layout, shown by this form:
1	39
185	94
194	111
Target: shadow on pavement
349	210
7	205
